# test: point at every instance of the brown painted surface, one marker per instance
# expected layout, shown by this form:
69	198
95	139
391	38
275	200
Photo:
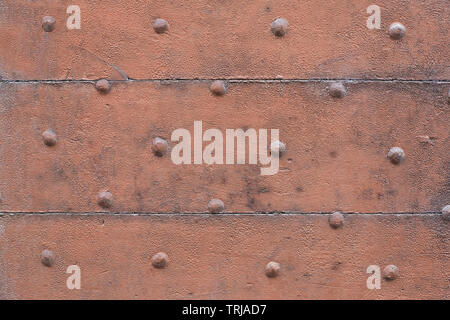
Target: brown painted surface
336	158
224	256
223	39
75	146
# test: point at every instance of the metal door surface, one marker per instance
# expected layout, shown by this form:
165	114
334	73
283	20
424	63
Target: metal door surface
98	97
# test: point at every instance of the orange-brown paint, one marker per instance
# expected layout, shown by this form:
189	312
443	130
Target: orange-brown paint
223	39
224	256
364	142
336	156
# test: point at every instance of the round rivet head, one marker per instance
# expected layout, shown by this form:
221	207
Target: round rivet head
336	220
446	212
390	272
49	137
160	260
272	269
47	258
159	146
216	206
160	25
103	86
397	30
396	155
105	199
48	23
278	148
218	88
279	27
337	90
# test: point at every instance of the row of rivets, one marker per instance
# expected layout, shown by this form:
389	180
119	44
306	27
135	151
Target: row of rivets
279	27
219	88
161	261
336	219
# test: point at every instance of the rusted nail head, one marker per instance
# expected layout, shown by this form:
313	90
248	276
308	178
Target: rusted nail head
49	137
336	220
103	86
278	148
446	212
396	155
159	146
47	258
279	27
160	260
272	269
218	88
105	199
160	25
48	23
390	272
397	30
216	206
337	90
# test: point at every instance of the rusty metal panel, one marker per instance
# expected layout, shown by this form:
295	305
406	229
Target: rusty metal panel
335	159
223	39
92	93
224	256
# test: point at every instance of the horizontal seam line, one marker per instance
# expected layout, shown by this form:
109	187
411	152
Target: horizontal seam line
215	214
234	80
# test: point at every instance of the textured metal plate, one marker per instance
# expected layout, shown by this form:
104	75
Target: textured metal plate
224	256
398	95
336	156
223	39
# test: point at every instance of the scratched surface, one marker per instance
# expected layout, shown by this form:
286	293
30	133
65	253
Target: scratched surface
223	39
336	158
223	257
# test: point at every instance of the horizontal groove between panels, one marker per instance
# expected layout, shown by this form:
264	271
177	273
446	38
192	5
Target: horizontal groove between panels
235	80
216	214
